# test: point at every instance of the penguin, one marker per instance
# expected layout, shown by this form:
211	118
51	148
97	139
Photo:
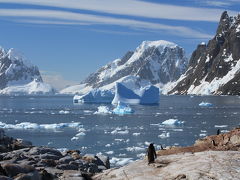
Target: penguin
162	147
151	154
218	131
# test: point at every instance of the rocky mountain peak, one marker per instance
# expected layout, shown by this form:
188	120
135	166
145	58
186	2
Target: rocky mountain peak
215	68
157	61
152	62
15	69
224	24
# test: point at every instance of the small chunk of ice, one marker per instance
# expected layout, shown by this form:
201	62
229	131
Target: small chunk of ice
174	122
205	104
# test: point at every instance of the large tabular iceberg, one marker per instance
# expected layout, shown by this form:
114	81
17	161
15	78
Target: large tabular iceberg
146	95
95	96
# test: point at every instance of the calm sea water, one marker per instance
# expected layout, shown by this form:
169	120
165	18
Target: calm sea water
120	137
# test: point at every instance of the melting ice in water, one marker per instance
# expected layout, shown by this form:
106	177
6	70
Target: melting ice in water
122	108
103	110
205	104
173	122
28	125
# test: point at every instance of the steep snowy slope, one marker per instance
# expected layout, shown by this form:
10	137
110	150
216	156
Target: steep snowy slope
17	76
215	68
153	62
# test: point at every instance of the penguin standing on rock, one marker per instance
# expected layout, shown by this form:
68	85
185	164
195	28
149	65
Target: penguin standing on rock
151	153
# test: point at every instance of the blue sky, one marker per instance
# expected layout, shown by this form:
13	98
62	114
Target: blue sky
69	39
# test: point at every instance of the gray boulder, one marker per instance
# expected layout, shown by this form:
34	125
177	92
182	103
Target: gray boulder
67	167
65	160
15	169
44	150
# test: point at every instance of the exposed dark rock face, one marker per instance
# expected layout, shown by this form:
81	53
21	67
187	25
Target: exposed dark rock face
13	68
155	61
214	68
20	160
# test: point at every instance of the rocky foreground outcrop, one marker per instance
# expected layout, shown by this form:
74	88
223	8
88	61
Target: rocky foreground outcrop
213	157
19	160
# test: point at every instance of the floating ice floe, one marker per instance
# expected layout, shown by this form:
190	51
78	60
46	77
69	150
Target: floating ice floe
122	109
146	95
205	104
221	126
28	125
141	155
74	138
109	152
202	134
134	149
103	110
173	122
136	134
64	112
164	135
80	134
120	131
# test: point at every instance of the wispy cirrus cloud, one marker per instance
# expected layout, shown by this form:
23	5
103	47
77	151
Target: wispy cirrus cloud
218	3
132	8
65	18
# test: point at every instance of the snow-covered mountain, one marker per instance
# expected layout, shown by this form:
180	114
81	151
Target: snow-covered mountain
153	62
215	68
18	76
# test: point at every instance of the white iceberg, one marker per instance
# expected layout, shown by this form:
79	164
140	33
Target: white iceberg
95	96
122	108
205	104
173	122
146	95
103	110
164	135
149	95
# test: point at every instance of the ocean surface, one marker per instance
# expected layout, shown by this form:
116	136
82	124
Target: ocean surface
55	121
